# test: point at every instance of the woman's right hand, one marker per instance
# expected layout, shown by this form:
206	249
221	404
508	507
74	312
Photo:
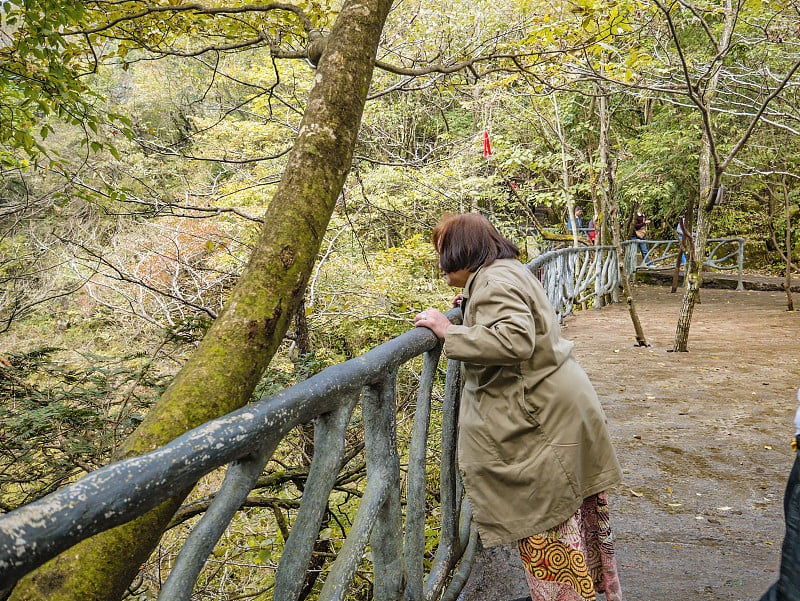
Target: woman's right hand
434	320
458	300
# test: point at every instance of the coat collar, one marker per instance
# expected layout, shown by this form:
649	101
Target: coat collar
470	280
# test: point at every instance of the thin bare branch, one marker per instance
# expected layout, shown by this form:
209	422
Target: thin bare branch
203	10
757	117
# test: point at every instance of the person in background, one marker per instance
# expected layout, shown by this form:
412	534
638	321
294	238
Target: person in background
593	228
640	224
534	450
680	230
578	221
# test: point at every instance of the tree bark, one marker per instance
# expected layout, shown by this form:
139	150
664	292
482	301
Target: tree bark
611	208
772	197
710	177
571	223
223	372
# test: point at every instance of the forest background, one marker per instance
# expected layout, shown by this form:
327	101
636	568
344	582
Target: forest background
142	146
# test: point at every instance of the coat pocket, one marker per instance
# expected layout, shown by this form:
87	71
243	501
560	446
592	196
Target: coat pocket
510	431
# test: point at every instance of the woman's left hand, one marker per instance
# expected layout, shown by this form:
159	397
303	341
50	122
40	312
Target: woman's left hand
434	320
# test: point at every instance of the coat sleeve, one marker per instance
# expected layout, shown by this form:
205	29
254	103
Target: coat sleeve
504	331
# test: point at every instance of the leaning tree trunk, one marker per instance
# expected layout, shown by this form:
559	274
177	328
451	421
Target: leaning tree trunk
223	372
611	208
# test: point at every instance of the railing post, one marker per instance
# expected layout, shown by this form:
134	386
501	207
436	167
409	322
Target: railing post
449	548
461	575
740	264
631	260
329	443
379	510
383	462
599	283
415	498
239	481
551	270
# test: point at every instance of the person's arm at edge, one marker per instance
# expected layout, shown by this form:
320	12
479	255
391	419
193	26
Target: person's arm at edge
505	333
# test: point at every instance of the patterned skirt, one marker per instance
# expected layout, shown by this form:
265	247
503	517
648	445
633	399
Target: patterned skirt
574	560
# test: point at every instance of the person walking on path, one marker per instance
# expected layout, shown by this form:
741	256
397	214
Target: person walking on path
534	450
593	228
578	221
640	224
681	228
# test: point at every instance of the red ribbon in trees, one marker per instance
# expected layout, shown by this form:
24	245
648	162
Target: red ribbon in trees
487	149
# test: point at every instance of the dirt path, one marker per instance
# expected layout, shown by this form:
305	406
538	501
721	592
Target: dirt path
703	438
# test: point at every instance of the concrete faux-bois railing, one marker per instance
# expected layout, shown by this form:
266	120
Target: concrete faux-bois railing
246	439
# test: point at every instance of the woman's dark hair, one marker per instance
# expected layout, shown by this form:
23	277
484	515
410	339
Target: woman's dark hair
468	241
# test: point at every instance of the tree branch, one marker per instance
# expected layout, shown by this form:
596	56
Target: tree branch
203	10
124	277
692	92
743	140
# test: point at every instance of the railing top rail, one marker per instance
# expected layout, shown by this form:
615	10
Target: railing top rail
653	241
549	256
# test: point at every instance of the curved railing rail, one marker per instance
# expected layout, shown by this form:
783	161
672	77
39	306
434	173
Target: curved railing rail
722	253
587	275
246	439
578	275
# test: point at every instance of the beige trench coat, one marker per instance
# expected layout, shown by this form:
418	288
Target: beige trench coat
533	439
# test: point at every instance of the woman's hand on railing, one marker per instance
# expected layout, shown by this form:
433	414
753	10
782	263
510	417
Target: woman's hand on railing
434	320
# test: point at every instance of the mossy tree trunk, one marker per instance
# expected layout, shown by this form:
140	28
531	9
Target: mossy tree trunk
223	372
